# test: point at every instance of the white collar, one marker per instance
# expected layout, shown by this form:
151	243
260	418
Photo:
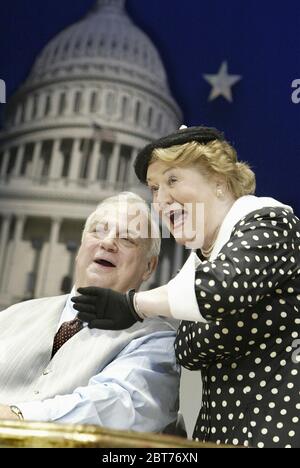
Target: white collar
68	313
241	208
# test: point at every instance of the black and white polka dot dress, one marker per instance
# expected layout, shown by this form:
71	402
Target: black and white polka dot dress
249	352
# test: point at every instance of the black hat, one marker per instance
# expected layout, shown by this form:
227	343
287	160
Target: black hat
200	134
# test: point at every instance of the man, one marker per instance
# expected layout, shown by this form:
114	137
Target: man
52	370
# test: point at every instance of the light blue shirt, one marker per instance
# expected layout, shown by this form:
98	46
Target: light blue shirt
137	391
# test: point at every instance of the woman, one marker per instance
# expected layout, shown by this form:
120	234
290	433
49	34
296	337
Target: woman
239	302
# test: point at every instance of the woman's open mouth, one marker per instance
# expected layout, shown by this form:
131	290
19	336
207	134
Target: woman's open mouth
177	218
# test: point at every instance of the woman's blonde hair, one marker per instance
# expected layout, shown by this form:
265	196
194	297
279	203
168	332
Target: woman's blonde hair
216	158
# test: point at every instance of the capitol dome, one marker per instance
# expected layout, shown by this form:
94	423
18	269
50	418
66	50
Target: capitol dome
107	70
106	40
96	94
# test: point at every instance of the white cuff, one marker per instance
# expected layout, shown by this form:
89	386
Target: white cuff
181	292
34	411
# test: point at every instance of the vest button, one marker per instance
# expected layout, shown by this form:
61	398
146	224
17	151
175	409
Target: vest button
36	392
46	372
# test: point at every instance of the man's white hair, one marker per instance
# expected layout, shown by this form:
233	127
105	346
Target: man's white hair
134	199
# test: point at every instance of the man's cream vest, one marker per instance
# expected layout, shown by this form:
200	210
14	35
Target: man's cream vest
27	331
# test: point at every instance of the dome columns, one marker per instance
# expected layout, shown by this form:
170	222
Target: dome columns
56	162
5	226
4	166
47	257
10	260
19	160
95	161
75	162
33	170
114	164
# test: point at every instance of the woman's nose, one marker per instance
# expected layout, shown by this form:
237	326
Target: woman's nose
163	197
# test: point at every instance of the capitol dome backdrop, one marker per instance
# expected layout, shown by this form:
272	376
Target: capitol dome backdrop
95	95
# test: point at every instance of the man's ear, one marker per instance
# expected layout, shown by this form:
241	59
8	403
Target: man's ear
151	266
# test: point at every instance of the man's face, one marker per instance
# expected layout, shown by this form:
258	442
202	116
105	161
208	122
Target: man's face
112	255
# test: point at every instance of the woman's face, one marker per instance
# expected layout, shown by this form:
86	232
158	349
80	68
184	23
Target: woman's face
185	199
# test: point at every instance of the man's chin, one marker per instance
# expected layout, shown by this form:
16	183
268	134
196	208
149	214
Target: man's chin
98	281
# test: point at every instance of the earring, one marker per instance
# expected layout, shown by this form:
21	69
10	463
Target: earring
219	192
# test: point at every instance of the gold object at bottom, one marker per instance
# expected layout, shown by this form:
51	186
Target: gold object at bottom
17	434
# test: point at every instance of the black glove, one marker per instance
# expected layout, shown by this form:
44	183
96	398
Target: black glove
106	309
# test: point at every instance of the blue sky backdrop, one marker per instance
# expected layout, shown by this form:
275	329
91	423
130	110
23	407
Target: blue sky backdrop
259	40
